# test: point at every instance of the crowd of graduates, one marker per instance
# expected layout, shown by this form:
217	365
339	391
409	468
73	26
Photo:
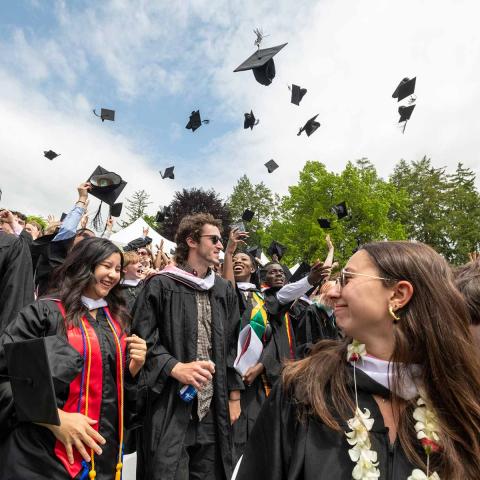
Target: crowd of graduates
213	364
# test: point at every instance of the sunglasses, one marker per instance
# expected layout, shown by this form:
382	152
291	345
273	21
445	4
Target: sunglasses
214	238
345	275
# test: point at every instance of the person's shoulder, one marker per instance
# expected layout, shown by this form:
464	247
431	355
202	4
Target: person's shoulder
7	240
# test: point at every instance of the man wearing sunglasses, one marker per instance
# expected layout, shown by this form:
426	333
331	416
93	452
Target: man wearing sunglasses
188	316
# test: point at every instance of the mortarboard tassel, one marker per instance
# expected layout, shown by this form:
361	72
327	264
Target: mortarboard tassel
97	219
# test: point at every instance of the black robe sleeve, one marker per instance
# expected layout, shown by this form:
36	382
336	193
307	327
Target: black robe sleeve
16	277
275	447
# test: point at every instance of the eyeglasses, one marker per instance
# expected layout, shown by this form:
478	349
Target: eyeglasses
142	252
345	274
214	238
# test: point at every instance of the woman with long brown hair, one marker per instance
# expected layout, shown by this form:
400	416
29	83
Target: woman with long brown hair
396	399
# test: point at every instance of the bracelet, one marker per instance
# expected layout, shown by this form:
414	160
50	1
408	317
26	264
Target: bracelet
81	201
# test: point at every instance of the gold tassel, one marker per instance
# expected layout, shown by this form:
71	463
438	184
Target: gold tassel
118	474
92	474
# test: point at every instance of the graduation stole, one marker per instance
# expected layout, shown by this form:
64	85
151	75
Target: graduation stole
85	391
258	317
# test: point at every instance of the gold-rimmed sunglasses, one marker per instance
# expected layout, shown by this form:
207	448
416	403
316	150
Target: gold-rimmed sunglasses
342	280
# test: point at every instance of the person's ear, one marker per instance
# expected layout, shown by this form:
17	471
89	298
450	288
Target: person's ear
401	294
191	242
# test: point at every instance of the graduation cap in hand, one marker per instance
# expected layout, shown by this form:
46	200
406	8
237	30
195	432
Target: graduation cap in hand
50	154
405	88
255	251
250	120
271	166
116	210
195	121
106	114
297	94
262	64
340	210
277	249
247	215
309	127
107	187
168	173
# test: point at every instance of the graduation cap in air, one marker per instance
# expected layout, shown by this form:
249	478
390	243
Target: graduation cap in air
37	369
340	210
276	248
50	154
168	173
255	251
106	114
116	210
301	272
297	94
250	120
262	64
324	223
309	127
248	215
107	187
405	88
195	121
271	166
405	114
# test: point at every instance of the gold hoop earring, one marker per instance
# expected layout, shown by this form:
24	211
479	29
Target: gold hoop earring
391	312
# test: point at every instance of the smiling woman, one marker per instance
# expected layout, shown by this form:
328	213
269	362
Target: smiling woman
85	322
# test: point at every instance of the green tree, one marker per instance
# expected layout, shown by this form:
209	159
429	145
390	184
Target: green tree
258	198
136	206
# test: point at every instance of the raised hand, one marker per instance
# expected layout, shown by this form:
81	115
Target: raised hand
235	238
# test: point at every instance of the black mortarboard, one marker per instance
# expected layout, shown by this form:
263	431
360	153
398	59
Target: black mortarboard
50	154
261	62
310	126
405	113
340	210
301	272
168	173
116	210
324	223
271	166
247	215
106	114
30	375
195	121
297	94
255	251
106	186
250	120
140	242
276	248
160	217
405	88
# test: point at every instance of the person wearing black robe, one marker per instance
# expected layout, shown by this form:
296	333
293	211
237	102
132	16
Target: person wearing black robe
16	277
175	442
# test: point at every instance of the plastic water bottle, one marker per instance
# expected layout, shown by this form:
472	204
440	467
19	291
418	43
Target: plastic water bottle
188	393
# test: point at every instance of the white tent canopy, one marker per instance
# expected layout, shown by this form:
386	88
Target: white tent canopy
135	230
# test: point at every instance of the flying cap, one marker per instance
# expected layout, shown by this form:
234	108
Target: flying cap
168	173
195	121
50	154
31	380
310	126
248	215
271	165
106	114
106	186
301	272
405	113
255	251
116	210
261	62
297	94
324	223
276	248
250	120
405	88
340	210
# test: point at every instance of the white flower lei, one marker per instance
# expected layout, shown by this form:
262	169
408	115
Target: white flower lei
358	437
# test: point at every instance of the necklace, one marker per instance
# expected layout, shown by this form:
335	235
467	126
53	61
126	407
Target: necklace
361	453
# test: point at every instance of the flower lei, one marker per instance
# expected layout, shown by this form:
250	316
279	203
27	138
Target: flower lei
361	453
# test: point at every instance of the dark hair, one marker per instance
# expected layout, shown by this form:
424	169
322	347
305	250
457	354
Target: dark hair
264	270
191	227
20	215
77	272
467	280
433	333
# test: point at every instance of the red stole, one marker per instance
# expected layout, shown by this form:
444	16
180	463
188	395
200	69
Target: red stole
79	386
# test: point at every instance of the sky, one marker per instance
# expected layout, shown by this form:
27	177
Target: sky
156	61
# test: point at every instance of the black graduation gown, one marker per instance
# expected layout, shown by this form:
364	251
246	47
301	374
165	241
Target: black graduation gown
315	325
26	449
283	448
16	277
165	315
130	293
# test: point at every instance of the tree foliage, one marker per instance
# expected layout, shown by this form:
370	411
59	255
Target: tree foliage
136	206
